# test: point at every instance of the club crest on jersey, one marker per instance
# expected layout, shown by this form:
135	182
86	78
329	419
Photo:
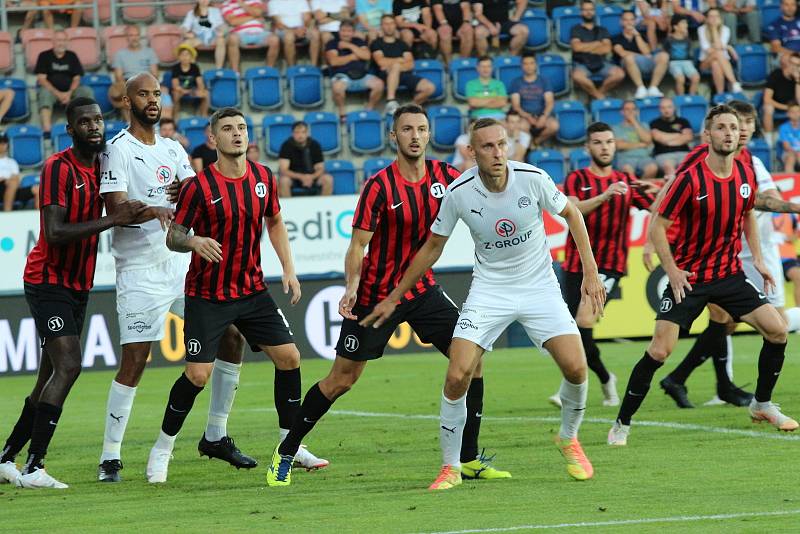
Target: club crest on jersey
523	202
437	190
164	174
505	228
261	189
745	190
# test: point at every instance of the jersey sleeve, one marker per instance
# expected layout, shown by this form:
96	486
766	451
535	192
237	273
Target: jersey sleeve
189	203
184	166
447	217
370	206
571	184
763	177
113	171
274	206
54	183
451	173
678	194
550	198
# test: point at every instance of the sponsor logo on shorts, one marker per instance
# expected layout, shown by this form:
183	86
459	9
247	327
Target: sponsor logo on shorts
55	323
505	228
261	189
666	304
164	174
505	243
133	315
745	190
139	326
437	190
193	347
466	324
523	202
351	343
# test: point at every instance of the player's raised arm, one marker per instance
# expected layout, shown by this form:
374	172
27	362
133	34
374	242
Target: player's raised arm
591	288
353	262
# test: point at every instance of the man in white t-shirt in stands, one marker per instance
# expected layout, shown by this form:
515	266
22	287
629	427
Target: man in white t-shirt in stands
293	22
329	14
9	180
248	28
518	139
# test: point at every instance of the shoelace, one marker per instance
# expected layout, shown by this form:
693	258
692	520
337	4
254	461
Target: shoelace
443	474
574	452
485	460
284	467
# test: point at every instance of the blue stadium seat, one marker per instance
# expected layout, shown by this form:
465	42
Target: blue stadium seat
693	108
373	165
648	109
114	127
538	28
99	84
571	115
579	159
608	17
305	86
761	149
724	98
366	131
551	161
608	110
60	137
753	66
555	69
344	176
324	127
564	18
446	126
277	129
507	69
432	70
263	87
27	180
770	12
223	86
21	106
194	128
462	70
251	130
26	145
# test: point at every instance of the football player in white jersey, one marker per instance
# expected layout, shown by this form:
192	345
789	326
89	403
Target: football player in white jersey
501	202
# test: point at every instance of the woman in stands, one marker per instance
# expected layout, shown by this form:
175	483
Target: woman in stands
203	28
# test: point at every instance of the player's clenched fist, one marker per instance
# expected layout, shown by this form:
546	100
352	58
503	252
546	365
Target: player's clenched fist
206	248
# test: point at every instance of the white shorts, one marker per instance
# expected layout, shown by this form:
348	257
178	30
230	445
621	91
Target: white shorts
772	259
489	310
144	296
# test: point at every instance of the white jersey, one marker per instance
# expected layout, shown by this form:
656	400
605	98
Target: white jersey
507	227
766	231
143	172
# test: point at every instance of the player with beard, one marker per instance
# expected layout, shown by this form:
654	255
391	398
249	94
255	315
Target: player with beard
712	200
58	276
604	196
393	218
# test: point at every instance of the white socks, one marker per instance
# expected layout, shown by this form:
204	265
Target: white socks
118	411
792	318
452	418
729	361
573	406
165	442
224	383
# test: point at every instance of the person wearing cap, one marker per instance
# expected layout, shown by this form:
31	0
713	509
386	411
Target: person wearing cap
9	180
187	81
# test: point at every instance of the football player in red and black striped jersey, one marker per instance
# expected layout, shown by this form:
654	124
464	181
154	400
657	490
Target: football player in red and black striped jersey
58	276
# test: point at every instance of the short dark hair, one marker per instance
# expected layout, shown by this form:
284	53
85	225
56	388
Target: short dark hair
484	58
385	15
79	102
348	22
743	108
408	108
792	103
632	12
223	113
676	19
719	109
529	53
587	2
513	112
597	127
299	124
482	123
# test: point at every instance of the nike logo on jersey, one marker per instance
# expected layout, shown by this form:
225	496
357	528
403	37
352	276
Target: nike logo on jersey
701	198
395	206
137	157
586	188
478	212
80	185
216	200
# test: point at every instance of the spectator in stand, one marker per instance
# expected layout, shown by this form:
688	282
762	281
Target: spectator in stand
789	137
716	53
638	59
9	180
486	96
734	11
519	141
369	13
58	74
783	86
129	61
248	28
416	23
462	157
591	45
329	14
204	26
783	34
47	16
395	65
693	9
634	144
6	99
166	129
294	24
652	16
671	137
453	16
679	48
532	99
254	154
302	167
494	20
348	58
205	154
187	82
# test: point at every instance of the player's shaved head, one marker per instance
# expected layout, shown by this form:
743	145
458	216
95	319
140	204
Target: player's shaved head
138	81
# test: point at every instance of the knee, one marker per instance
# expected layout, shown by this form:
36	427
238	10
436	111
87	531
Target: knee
659	351
198	374
326	180
233	39
285	182
481	32
70	369
287	359
339	87
337	384
457	381
617	74
575	370
445	32
553	124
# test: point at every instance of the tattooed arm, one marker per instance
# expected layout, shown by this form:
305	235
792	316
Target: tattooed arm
179	240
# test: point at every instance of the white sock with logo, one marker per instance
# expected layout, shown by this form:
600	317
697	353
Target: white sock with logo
118	411
573	406
224	383
452	418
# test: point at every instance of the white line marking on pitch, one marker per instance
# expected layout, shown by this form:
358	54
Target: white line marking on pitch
622	522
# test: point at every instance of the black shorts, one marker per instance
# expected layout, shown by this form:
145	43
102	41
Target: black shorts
23	194
789	264
505	27
57	310
454	17
432	316
571	289
408	79
735	294
256	316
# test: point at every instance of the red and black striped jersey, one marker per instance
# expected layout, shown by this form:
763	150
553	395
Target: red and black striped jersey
231	211
609	225
400	214
67	183
710	211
